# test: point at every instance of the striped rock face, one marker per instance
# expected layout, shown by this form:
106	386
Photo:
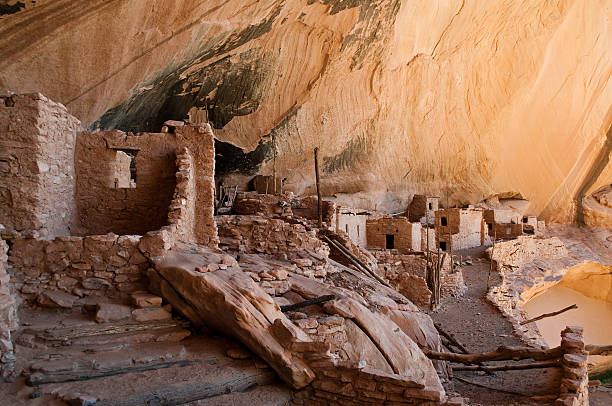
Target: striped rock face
460	99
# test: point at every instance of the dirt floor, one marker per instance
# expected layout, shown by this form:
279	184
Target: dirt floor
480	327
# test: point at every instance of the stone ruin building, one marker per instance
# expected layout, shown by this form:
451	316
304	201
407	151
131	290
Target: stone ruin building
117	231
306	203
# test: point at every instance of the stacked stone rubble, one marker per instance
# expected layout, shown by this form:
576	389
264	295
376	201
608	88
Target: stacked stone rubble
8	316
354	383
78	266
575	379
267	236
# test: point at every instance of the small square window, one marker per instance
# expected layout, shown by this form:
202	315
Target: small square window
443	221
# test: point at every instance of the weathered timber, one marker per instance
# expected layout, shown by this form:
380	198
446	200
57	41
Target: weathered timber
503	353
319	206
497	368
551	314
305	303
39	378
450	337
594	349
356	261
192	391
62	334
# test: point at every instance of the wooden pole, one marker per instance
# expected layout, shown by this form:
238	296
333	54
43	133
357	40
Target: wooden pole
273	163
319	207
501	354
531	365
545	315
492	253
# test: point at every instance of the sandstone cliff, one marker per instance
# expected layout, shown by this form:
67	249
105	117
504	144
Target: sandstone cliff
460	98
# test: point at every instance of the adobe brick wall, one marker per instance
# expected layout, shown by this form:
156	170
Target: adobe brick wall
349	221
37	179
464	228
407	235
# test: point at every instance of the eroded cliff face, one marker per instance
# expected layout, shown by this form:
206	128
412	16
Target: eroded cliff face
459	98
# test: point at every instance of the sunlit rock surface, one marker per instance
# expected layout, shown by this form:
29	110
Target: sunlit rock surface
459	98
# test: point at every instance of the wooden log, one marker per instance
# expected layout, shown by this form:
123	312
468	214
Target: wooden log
273	163
305	303
39	378
348	253
61	334
319	205
357	265
545	315
503	353
178	394
497	368
450	337
594	349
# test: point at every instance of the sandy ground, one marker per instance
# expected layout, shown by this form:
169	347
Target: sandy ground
479	326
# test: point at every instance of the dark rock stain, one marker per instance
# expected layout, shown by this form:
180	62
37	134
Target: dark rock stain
347	158
6	8
172	92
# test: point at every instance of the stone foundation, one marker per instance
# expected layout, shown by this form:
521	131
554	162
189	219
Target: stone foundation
8	316
68	268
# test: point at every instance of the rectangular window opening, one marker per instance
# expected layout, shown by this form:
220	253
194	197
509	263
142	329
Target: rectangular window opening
124	176
443	221
430	207
443	245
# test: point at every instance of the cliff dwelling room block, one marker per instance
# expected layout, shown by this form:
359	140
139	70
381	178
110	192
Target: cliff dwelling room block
305	203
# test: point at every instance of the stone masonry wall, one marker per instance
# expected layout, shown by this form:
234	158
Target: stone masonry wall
67	268
255	234
199	141
104	208
463	228
407	235
37	179
8	316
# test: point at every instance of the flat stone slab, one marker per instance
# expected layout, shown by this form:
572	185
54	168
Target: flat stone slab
112	312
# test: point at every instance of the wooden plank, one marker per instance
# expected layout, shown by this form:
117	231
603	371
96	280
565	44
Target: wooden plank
39	378
192	391
61	334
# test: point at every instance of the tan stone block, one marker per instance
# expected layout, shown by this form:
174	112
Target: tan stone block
145	299
151	314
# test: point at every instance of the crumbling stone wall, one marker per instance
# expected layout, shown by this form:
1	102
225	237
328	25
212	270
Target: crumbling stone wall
105	206
574	389
406	235
37	179
422	209
76	267
255	234
407	274
8	315
174	183
353	383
